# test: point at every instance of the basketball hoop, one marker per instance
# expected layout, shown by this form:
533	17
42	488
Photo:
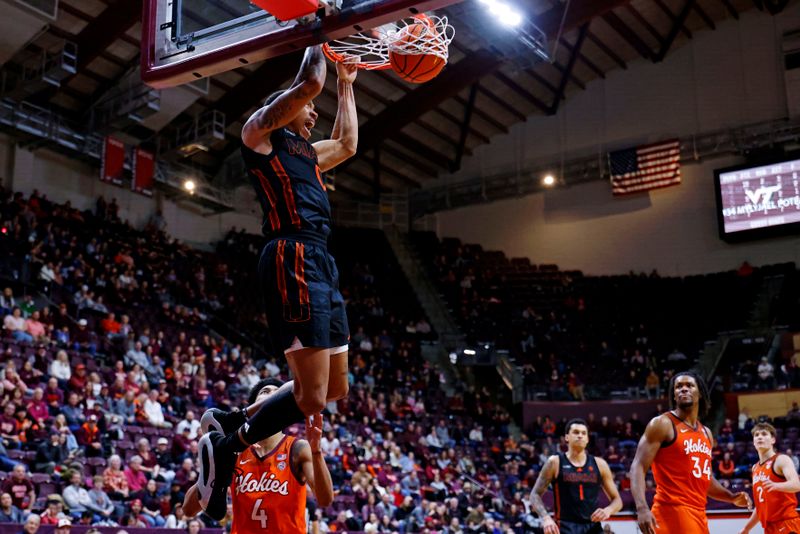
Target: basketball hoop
371	50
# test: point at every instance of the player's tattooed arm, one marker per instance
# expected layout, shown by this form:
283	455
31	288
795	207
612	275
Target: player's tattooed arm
306	86
546	475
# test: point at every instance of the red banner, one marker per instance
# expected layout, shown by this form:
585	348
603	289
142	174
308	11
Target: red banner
113	161
143	170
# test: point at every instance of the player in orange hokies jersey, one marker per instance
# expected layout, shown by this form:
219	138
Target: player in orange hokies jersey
269	487
775	483
678	447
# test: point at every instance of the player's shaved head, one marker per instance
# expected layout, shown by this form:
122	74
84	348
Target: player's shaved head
273	97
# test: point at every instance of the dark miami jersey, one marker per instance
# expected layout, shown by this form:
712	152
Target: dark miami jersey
266	495
576	489
289	186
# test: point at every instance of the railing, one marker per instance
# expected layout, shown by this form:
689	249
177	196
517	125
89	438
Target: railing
581	169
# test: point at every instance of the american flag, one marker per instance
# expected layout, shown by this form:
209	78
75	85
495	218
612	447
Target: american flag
645	167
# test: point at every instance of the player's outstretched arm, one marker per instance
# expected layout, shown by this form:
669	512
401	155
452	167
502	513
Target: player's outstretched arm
751	523
315	470
657	432
306	86
784	467
720	493
344	137
548	473
601	514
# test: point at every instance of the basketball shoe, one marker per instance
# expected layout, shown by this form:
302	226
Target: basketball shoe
218	420
216	461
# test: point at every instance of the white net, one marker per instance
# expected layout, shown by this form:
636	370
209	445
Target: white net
370	50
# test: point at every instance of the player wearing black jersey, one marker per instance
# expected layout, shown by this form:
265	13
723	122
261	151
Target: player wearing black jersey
576	478
299	280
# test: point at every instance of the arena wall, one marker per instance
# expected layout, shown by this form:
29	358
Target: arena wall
62	178
673	230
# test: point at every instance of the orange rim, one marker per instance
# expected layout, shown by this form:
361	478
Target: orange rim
339	58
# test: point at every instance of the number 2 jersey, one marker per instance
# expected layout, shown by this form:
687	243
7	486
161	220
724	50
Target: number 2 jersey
266	495
776	505
682	467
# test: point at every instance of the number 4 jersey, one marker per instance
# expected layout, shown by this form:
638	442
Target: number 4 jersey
772	506
682	467
266	495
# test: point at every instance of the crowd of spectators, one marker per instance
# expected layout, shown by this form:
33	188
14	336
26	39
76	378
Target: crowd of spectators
106	371
576	337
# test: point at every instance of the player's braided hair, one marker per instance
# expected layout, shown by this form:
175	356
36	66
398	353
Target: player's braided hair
705	398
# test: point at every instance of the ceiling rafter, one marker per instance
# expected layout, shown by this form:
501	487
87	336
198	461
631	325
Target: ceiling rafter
586	61
672	17
731	9
362	88
466	72
630	36
703	15
645	23
502	103
568	72
479	112
606	50
674	31
408	141
521	91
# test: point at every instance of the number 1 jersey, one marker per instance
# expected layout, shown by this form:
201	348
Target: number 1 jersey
266	495
682	467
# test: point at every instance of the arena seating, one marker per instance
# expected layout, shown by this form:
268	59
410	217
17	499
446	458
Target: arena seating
470	461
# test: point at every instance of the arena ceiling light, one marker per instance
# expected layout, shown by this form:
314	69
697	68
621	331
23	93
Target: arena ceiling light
189	186
502	12
549	180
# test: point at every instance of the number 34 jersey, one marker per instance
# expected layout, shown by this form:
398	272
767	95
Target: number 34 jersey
682	467
266	495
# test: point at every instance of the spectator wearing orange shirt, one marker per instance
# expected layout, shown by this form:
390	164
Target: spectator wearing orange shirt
110	325
726	466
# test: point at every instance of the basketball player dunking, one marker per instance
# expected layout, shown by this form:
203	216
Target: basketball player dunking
775	483
299	279
678	447
269	491
576	478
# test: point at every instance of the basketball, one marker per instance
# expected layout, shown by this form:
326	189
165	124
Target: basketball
419	67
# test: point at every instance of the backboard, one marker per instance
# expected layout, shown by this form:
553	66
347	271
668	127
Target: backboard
183	40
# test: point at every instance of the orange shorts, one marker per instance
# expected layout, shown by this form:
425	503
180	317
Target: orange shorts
787	526
680	519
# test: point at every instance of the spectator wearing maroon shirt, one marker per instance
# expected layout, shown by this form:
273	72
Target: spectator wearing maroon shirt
88	436
79	379
9	427
23	494
84	339
53	396
134	474
37	407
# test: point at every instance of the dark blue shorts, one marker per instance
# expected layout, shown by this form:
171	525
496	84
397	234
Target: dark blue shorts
300	284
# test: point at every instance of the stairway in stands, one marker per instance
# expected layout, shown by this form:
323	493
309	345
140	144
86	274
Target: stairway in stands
434	305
